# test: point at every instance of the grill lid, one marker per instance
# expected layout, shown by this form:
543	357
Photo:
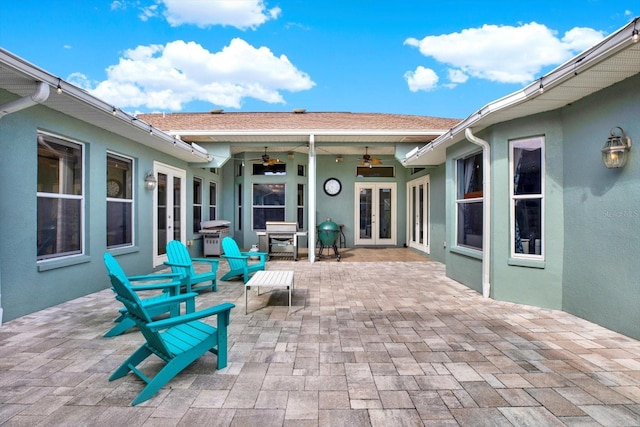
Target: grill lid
215	224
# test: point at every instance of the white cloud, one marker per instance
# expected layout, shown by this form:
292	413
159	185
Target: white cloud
204	13
457	76
505	54
148	12
421	79
166	77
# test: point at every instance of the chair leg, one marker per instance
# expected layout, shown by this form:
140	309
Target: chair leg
120	328
222	343
134	360
168	371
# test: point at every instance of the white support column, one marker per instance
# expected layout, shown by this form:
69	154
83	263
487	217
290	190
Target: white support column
311	223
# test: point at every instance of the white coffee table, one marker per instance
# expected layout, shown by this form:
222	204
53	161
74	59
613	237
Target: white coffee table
270	278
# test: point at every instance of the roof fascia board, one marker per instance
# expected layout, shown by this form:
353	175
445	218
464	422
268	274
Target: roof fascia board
307	132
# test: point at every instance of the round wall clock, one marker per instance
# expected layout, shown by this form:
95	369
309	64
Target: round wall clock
114	188
332	186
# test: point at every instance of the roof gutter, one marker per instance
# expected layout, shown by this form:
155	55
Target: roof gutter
486	210
40	95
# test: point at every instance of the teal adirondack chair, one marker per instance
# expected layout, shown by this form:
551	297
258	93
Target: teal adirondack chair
239	264
178	341
181	263
158	304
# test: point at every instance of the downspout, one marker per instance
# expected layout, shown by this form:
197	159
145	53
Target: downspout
486	210
40	95
311	223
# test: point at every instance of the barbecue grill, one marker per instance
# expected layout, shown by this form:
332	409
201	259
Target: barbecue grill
328	234
281	239
212	234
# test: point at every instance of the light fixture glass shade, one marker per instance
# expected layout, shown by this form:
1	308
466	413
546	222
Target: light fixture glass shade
150	181
616	150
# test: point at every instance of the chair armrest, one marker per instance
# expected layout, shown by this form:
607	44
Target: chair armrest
250	254
159	286
206	260
245	257
173	299
224	308
176	264
153	277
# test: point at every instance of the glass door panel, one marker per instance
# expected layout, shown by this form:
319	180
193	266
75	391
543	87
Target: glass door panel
169	213
366	213
418	214
376	214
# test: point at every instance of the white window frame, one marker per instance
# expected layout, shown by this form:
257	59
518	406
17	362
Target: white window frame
122	200
461	201
282	207
514	198
213	204
60	196
195	205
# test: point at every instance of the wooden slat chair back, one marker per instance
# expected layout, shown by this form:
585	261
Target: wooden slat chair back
181	263
178	341
167	284
239	264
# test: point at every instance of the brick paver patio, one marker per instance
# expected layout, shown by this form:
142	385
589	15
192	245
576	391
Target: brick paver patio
364	343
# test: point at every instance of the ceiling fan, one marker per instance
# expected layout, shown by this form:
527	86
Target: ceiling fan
369	161
267	160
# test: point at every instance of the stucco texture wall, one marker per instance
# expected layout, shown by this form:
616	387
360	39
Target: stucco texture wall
28	286
529	282
601	282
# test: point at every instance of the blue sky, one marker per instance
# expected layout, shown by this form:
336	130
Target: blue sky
444	58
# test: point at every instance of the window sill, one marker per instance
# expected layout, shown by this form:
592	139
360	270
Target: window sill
530	263
53	264
123	250
471	253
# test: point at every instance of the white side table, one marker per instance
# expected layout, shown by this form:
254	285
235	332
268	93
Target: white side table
270	278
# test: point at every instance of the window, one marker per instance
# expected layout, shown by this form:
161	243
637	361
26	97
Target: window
119	201
213	200
270	169
469	201
375	171
268	204
197	204
527	199
301	206
60	205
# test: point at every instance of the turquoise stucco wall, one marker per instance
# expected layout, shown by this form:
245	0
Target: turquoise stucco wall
602	211
462	264
536	283
29	286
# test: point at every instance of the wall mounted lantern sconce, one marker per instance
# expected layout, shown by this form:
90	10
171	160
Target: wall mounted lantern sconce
150	181
616	150
339	159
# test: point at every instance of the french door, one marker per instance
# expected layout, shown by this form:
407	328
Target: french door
169	213
375	215
418	219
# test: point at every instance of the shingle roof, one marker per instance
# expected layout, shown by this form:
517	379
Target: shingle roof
288	121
